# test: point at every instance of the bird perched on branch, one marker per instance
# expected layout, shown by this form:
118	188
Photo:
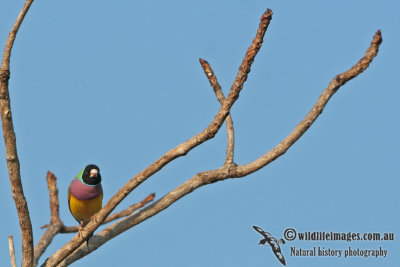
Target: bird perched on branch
85	195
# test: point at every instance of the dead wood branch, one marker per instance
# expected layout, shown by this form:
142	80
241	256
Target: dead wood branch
12	251
229	170
316	110
75	249
116	215
174	153
220	96
56	226
11	146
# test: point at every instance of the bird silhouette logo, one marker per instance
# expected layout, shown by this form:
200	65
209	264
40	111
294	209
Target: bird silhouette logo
273	242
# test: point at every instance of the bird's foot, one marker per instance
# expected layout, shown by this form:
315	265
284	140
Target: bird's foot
80	233
80	229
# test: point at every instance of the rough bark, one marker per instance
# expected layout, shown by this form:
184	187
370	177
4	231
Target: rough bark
229	170
75	249
11	145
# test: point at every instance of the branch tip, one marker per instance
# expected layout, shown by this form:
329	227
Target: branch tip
377	38
12	251
267	15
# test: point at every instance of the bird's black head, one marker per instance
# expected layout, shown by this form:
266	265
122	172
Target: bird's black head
91	175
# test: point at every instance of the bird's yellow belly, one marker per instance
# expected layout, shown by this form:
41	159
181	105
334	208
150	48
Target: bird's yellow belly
83	210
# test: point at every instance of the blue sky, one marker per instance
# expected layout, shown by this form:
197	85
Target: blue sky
118	84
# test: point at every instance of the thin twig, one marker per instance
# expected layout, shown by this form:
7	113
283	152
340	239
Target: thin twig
11	147
12	251
55	225
174	153
53	194
130	209
227	171
220	96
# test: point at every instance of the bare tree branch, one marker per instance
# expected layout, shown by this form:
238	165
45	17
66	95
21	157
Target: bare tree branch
228	170
130	210
116	215
12	251
55	222
75	249
56	226
316	110
174	153
220	96
11	147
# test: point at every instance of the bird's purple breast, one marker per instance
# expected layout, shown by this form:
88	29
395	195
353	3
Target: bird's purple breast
82	191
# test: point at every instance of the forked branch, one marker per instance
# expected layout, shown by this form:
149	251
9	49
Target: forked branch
174	153
220	96
316	110
56	226
230	170
74	250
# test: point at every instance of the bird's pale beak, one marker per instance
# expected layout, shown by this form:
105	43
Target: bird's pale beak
93	173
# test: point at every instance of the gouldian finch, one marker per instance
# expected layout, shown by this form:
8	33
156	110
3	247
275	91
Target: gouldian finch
85	195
